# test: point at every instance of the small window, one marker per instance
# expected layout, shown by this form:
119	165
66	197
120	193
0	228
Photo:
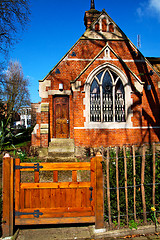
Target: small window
97	27
111	27
104	25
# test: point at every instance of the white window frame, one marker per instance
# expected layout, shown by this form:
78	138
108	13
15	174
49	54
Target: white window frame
128	100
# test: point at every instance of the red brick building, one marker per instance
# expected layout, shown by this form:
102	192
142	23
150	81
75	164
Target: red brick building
103	92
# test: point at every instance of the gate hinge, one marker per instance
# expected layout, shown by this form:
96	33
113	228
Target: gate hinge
36	213
36	167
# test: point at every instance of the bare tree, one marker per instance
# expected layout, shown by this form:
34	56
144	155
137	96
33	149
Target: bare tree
14	14
15	89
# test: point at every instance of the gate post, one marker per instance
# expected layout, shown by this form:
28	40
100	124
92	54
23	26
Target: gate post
8	196
99	198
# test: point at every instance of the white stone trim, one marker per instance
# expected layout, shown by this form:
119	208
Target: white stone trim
42	88
128	100
138	86
44	125
44	107
35	129
76	86
44	131
57	92
106	58
120	127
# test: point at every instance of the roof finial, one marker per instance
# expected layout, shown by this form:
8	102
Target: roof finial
92	4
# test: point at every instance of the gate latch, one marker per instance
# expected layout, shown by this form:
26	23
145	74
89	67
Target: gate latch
91	189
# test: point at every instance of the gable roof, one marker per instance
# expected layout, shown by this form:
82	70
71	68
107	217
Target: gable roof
91	34
85	36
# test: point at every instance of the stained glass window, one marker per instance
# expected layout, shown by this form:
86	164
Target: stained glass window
107	98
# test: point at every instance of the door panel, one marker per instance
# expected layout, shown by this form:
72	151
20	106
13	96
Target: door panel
61	117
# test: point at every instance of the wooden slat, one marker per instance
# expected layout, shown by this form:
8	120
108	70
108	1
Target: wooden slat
22	199
11	196
117	185
63	197
74	176
55	185
57	210
7	222
53	198
17	185
134	182
84	197
93	183
69	198
78	197
58	200
126	191
154	173
88	194
27	198
142	185
108	188
99	209
45	198
55	176
73	200
35	198
61	166
67	220
60	214
36	177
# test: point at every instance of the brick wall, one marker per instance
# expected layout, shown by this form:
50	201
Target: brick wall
145	106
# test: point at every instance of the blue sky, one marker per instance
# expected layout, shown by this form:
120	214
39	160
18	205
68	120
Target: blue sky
56	25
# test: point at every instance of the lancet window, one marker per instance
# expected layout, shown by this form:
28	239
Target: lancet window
107	98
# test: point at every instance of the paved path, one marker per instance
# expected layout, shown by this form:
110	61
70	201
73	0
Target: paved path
86	233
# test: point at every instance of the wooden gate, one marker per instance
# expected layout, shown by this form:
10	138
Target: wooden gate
42	202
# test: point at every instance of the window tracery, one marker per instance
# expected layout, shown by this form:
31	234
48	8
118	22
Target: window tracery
107	98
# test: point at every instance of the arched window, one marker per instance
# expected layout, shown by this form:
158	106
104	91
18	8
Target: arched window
97	26
104	25
107	98
111	27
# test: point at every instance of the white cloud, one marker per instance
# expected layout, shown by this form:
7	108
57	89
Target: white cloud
149	8
140	12
155	5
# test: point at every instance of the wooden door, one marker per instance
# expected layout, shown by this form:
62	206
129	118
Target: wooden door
61	117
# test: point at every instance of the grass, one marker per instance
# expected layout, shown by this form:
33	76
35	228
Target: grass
19	145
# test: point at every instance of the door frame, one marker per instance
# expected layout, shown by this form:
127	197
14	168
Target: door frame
54	116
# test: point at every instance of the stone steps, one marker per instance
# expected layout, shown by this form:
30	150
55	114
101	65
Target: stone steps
60	159
61	150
